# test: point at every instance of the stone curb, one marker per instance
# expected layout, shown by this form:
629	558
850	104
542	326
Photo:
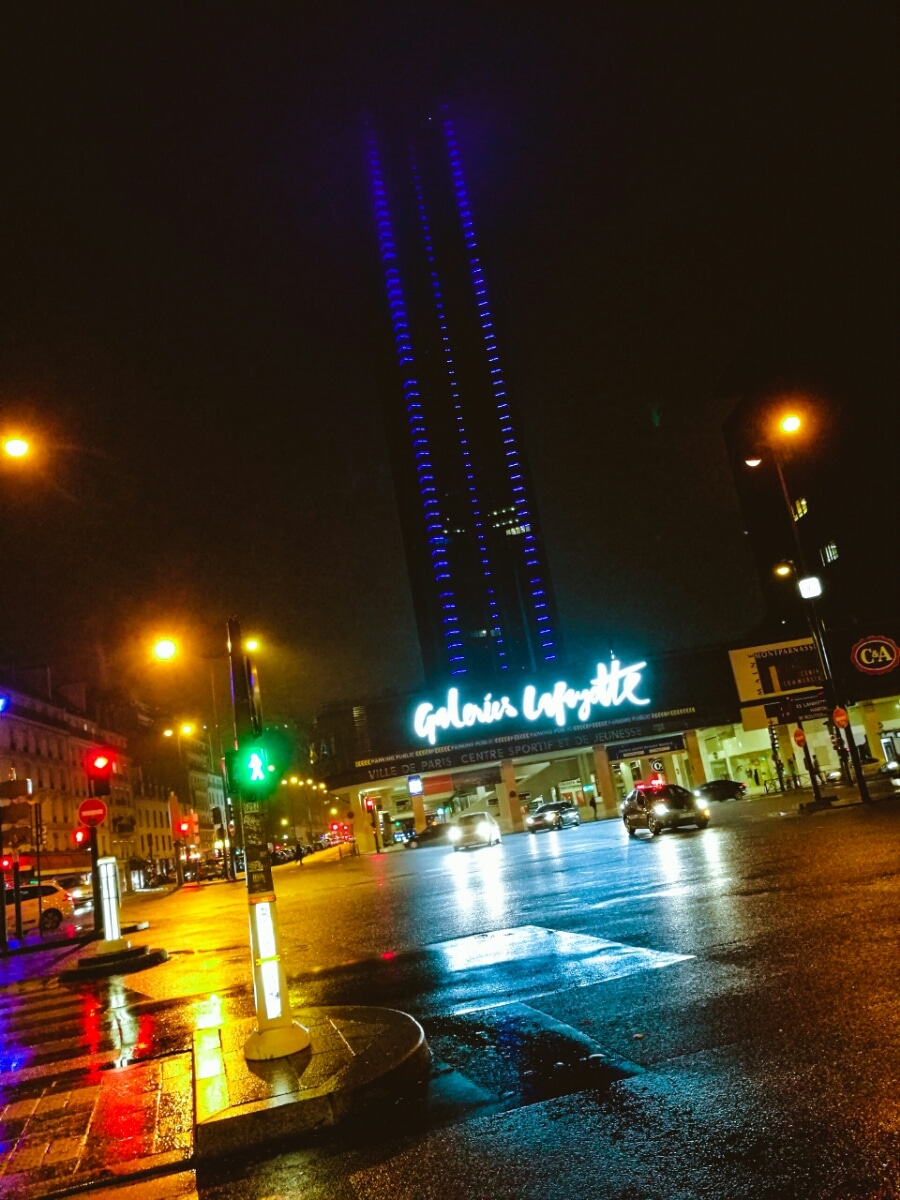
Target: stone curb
358	1056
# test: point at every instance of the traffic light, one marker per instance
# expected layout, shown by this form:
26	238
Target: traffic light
370	803
81	836
6	862
99	766
184	828
256	767
334	826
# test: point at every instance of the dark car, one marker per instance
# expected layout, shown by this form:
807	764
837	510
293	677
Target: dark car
552	816
668	806
431	835
720	789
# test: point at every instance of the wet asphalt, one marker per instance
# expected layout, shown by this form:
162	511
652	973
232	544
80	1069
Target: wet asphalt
703	1014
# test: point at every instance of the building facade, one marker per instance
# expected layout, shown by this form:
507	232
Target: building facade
481	587
47	741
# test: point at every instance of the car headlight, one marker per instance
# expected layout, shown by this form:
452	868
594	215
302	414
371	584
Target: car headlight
454	834
660	809
704	810
484	829
529	820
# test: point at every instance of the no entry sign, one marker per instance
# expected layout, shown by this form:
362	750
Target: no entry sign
841	718
92	812
800	737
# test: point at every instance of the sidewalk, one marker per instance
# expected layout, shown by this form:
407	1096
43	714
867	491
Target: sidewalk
102	1084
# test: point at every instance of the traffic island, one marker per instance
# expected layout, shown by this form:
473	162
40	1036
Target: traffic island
357	1057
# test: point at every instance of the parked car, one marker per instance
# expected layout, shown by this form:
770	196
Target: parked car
556	815
474	829
721	789
431	835
890	769
54	907
668	806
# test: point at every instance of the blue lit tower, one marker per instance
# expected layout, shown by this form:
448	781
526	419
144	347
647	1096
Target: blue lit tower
481	588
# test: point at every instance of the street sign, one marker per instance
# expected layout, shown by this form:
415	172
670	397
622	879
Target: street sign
800	737
92	811
841	718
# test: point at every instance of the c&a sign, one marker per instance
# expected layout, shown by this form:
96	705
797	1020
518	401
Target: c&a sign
875	655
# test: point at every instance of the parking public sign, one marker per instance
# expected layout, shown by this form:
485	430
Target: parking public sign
92	812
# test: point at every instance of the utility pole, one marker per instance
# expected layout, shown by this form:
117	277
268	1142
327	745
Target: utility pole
277	1034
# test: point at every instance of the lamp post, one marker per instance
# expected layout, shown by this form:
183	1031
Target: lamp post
167	650
810	588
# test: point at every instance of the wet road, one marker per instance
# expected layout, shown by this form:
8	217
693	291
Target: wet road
704	1014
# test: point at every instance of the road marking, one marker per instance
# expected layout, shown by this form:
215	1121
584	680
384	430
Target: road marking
514	965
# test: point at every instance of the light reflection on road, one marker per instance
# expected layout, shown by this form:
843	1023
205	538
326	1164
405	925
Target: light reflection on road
480	887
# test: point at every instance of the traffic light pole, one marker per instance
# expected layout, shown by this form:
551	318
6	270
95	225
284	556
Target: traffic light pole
277	1034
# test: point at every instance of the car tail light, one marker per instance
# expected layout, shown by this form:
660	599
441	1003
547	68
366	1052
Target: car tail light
69	897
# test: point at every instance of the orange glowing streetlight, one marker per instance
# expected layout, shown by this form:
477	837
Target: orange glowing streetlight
165	649
16	447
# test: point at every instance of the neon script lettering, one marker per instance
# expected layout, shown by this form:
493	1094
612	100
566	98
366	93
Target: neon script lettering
611	686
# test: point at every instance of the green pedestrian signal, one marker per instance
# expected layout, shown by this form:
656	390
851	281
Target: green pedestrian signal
256	767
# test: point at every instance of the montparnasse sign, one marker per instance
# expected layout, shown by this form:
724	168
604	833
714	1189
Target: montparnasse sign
612	686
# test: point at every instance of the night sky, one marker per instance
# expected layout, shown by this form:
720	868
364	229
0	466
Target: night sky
192	322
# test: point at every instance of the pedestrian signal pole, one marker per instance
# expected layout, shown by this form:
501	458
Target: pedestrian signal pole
254	769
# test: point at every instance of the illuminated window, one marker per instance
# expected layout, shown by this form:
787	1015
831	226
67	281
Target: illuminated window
801	508
829	553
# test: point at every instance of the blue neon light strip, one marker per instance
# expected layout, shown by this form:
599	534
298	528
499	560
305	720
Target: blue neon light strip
434	522
514	463
490	590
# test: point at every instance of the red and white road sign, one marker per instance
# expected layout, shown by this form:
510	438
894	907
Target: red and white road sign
800	737
92	811
841	718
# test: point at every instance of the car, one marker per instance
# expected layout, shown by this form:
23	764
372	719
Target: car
552	816
45	904
890	769
431	835
720	789
474	829
666	806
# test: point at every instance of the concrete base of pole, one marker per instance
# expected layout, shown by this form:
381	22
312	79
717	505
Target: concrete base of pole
104	963
109	946
276	1043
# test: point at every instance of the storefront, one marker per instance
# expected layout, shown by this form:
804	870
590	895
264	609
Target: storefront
403	763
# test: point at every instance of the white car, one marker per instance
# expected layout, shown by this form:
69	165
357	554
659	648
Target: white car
55	907
474	829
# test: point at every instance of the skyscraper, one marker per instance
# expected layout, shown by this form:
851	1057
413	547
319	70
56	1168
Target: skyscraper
481	588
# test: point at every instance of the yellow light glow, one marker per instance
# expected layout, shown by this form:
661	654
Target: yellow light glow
168	732
294	779
187	729
334	812
753	462
284	820
251	644
16	447
310	782
790	424
783	569
165	649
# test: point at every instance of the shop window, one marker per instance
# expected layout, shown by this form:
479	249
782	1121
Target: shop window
829	553
800	508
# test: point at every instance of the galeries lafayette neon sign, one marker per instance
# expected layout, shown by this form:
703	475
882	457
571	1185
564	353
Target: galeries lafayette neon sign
610	687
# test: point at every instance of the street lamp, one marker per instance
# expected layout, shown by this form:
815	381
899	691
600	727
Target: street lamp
16	447
810	589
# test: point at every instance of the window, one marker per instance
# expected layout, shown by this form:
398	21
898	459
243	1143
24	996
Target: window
829	553
800	508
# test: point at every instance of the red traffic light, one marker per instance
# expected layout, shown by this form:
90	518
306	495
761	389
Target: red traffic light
370	803
184	828
80	836
334	826
99	766
6	863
